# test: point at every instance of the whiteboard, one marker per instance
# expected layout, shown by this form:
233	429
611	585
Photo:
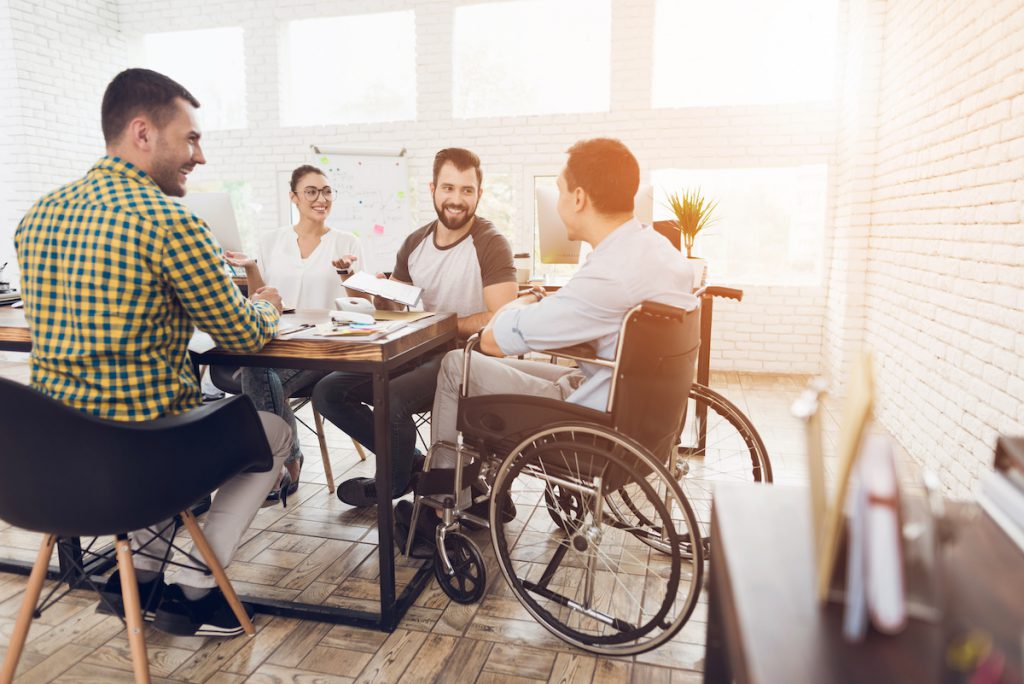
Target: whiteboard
373	200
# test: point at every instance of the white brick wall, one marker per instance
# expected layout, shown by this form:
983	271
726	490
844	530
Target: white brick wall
59	56
8	147
707	137
943	305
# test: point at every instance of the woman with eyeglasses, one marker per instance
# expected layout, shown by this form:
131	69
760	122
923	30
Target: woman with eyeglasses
303	262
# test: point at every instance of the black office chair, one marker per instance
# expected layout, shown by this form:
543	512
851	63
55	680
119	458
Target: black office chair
83	476
589	524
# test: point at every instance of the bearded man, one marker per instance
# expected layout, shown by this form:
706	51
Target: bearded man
464	266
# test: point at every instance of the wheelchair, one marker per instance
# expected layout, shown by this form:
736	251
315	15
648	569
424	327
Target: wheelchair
589	528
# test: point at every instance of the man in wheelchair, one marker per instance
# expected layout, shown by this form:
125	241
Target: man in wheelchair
577	455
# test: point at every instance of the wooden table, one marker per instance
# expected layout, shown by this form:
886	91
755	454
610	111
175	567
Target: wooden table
764	624
377	358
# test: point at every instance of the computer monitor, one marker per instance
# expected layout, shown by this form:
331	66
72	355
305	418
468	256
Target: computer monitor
555	245
215	208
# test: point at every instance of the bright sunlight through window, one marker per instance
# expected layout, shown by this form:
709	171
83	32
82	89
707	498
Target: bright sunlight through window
215	73
354	69
738	52
531	57
770	222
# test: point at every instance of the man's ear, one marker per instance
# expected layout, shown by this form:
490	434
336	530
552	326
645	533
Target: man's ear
431	186
141	134
580	199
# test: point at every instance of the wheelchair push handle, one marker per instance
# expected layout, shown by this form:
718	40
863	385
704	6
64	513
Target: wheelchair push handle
719	291
467	356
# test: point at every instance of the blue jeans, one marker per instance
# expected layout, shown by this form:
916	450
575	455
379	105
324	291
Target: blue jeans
270	389
345	399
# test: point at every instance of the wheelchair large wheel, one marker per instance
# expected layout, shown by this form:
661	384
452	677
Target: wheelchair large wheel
717	444
722	447
589	579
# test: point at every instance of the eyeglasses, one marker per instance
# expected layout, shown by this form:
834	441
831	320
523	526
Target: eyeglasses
312	193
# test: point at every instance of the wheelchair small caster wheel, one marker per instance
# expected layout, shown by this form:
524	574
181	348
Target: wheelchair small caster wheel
468	580
565	507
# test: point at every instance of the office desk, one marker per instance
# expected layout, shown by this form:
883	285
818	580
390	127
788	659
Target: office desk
378	358
765	625
14	330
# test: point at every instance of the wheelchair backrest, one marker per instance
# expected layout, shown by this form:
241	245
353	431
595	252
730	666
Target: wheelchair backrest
655	366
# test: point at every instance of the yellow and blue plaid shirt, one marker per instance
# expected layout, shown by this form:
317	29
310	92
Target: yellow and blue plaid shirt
114	276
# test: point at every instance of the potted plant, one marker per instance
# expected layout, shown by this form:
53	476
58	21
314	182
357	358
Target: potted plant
693	214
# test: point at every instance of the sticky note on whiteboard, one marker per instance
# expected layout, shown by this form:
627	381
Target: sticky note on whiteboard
378	229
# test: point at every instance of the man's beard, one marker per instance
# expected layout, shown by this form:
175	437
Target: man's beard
164	173
453	225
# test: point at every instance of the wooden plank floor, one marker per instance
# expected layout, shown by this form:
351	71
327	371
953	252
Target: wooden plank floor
322	551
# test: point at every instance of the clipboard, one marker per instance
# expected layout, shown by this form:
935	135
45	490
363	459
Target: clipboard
856	413
381	287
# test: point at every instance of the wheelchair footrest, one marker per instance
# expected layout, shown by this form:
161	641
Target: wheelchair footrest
442	480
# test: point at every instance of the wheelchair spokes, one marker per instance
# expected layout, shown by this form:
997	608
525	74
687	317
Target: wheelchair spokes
724	447
573	564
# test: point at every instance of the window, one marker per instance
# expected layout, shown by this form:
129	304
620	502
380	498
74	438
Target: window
214	72
354	69
531	57
734	52
497	205
771	221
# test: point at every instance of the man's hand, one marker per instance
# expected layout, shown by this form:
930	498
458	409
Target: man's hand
269	294
382	303
239	259
345	262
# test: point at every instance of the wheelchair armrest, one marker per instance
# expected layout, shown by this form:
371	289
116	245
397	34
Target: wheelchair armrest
501	421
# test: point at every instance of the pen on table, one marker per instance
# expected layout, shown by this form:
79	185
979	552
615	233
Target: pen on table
295	329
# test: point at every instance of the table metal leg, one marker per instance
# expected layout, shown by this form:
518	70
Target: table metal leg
385	516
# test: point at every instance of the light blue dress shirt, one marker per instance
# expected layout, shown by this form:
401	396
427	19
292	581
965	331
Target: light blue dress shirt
631	265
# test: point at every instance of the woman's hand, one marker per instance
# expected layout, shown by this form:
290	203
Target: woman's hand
344	262
239	259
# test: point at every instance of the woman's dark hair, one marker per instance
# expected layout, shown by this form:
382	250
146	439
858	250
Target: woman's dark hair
607	171
139	91
298	173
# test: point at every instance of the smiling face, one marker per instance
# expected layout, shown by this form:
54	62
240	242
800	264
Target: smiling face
176	150
456	195
311	197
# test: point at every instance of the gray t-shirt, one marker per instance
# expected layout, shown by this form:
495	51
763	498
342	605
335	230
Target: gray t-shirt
453	278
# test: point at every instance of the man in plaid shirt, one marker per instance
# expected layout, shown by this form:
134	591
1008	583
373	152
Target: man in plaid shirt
115	275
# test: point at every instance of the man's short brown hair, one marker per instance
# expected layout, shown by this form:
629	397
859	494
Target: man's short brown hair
462	159
139	91
607	171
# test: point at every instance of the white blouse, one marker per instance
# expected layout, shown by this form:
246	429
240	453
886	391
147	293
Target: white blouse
310	283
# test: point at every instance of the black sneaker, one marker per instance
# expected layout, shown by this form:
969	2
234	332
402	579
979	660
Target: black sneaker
358	492
362	491
112	602
209	616
426	527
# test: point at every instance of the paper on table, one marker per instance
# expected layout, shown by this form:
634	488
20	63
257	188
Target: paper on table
408	316
389	289
201	342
